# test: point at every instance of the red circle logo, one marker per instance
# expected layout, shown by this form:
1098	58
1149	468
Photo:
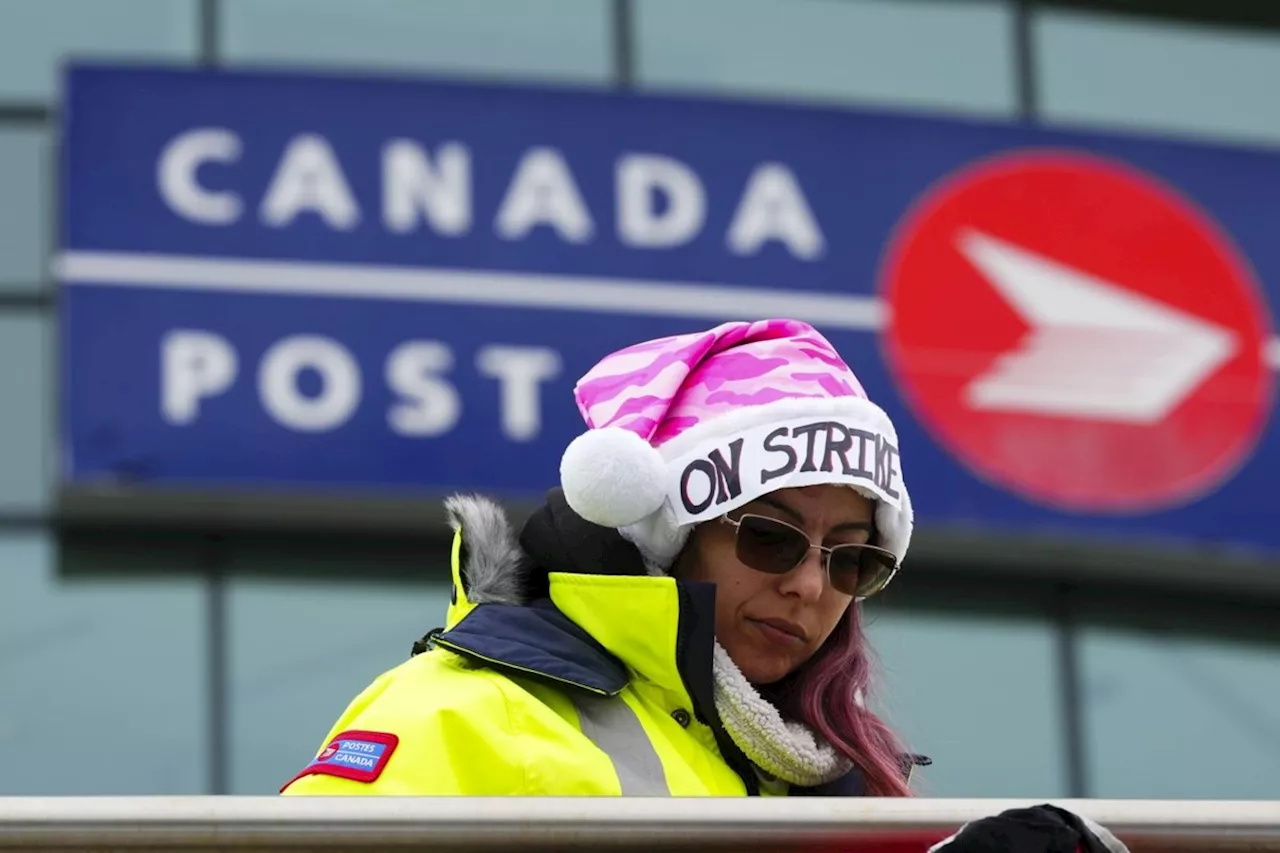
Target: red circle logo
1078	333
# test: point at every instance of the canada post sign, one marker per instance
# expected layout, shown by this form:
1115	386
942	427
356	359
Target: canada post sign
389	286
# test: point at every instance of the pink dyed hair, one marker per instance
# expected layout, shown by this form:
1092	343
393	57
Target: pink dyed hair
822	695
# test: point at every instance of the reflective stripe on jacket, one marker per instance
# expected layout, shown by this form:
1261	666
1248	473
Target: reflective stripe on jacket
547	680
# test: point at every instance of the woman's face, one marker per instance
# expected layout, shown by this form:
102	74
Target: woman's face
771	624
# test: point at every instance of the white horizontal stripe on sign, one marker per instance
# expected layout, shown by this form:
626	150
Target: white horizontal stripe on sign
469	287
484	287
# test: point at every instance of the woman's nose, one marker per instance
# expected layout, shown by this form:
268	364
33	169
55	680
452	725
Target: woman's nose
808	578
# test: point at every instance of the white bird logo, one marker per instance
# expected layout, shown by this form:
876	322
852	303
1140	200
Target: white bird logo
1095	350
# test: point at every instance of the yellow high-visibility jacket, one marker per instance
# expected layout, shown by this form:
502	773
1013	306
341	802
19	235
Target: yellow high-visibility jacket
547	681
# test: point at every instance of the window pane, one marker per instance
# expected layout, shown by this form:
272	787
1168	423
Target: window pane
306	639
104	678
955	56
36	36
978	695
26	178
555	39
25	416
1152	76
1171	716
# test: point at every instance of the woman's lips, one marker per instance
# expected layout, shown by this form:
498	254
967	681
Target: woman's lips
781	631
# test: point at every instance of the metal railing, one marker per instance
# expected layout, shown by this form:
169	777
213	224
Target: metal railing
519	824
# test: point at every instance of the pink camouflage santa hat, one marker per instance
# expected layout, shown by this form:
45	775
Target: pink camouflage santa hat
686	428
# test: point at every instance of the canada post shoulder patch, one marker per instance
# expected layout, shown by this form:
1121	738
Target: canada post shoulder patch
357	755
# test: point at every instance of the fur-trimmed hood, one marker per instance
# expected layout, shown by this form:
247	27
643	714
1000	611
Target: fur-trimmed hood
502	566
494	569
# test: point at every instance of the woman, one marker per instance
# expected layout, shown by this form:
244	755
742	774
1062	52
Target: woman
681	617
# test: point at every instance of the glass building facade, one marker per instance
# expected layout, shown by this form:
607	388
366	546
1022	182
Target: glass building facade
203	660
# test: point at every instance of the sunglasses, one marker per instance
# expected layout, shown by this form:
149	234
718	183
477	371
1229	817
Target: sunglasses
775	547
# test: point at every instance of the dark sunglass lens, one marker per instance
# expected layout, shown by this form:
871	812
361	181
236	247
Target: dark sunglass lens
769	546
878	568
845	568
860	570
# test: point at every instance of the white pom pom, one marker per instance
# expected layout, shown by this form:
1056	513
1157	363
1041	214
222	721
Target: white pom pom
612	477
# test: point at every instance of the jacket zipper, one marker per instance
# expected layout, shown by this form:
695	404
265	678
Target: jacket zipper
733	756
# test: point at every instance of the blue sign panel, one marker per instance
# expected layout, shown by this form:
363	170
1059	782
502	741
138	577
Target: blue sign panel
385	286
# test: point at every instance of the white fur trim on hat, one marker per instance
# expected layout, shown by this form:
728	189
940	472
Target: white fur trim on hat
661	534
